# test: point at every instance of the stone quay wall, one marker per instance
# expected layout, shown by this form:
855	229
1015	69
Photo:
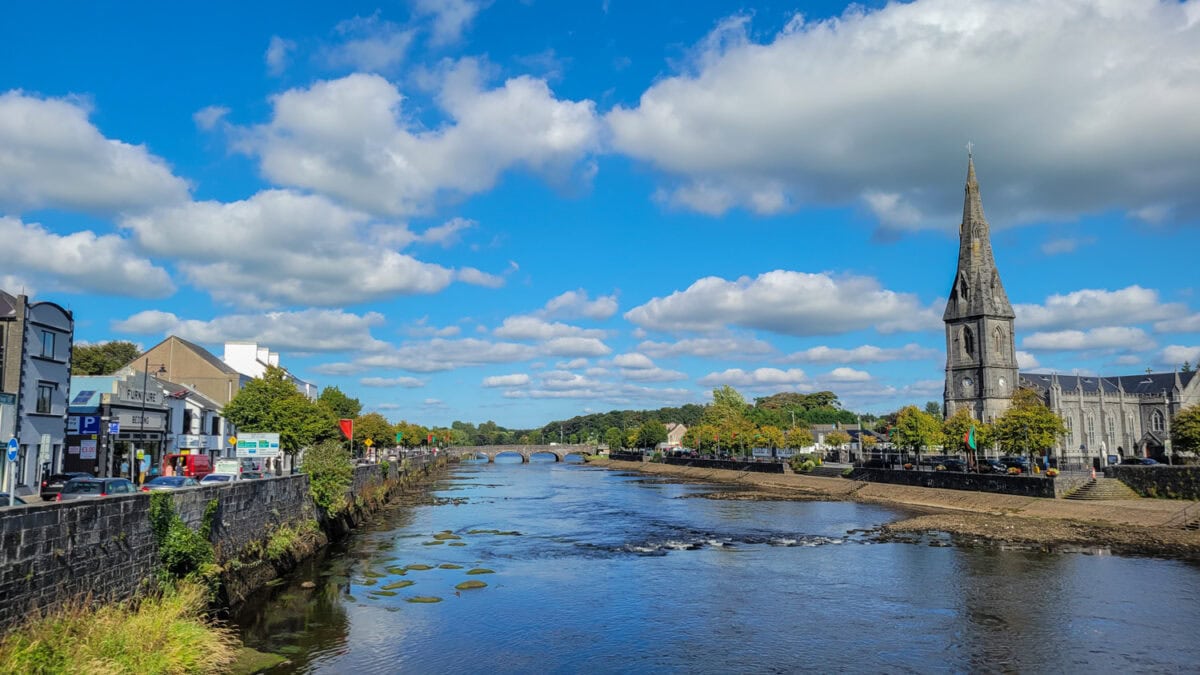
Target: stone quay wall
56	552
1171	482
757	467
1028	486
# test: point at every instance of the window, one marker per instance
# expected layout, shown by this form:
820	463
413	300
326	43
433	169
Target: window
45	397
1070	431
1156	421
187	421
3	333
1091	431
969	341
1110	430
998	341
47	344
216	426
22	452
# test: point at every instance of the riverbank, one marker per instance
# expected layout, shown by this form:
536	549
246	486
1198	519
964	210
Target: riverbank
1129	527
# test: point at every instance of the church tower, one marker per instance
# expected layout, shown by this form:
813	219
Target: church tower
981	360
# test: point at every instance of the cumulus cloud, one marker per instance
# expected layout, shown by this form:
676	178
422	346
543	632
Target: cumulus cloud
1026	360
829	111
534	328
449	18
310	330
1181	324
233	251
846	375
405	382
370	44
81	262
208	117
351	138
514	380
632	360
790	303
448	233
1097	307
436	355
757	378
728	347
574	304
1065	245
278	54
575	347
862	354
1174	356
51	156
640	368
1110	337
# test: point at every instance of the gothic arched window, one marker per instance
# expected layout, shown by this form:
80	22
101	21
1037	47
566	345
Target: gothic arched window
1110	430
969	341
1070	431
964	292
1091	430
998	341
1156	421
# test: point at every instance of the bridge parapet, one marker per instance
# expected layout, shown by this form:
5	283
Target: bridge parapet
560	452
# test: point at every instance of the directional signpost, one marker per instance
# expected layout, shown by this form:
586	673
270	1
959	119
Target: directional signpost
11	455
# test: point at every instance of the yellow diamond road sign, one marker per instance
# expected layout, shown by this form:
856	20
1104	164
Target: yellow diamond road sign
368	442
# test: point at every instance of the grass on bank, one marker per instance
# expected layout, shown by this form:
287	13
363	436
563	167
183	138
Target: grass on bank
164	634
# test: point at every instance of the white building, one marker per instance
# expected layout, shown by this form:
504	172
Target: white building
248	358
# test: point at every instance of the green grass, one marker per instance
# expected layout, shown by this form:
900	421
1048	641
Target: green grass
167	634
468	585
418	567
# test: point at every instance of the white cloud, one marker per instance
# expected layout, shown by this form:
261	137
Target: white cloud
639	367
1111	337
448	233
470	275
1174	356
234	252
1065	245
731	347
829	111
514	380
450	18
1096	307
81	261
1026	360
846	375
206	118
421	328
1181	324
862	354
350	138
632	360
310	330
759	377
277	55
575	346
406	382
791	303
51	156
573	304
526	327
436	355
371	44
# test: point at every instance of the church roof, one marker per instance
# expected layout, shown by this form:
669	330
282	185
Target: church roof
976	290
1146	383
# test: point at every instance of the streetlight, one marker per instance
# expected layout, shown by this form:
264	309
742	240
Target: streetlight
162	368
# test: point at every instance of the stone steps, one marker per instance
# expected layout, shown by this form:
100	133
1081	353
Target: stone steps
1105	489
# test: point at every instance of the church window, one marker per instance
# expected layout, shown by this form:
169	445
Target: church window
1156	421
964	291
995	287
998	341
1070	431
1110	430
1091	431
969	341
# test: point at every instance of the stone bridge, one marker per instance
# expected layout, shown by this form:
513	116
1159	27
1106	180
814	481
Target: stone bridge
560	452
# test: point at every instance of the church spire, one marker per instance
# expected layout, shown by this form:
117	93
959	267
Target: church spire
976	290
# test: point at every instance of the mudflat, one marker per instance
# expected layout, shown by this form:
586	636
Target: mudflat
1127	526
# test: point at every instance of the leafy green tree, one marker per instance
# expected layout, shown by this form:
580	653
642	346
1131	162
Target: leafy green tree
867	441
798	438
1185	430
375	427
933	408
837	439
1028	426
957	426
342	406
770	436
612	438
330	473
651	434
271	404
917	430
102	358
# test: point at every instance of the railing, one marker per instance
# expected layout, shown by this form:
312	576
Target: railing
1184	517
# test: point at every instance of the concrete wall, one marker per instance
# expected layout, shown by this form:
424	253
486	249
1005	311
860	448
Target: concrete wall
757	467
1172	482
51	553
1029	486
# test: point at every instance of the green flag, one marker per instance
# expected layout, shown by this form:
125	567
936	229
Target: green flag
969	438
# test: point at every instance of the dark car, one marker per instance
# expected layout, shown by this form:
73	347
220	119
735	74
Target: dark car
14	501
992	466
53	485
951	465
94	488
169	483
1021	463
1138	461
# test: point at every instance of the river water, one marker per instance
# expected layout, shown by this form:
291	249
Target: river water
601	571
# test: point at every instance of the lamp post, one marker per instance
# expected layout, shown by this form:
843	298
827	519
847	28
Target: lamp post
133	462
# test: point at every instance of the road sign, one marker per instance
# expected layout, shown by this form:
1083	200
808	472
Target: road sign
8	399
368	442
114	428
233	441
399	437
12	449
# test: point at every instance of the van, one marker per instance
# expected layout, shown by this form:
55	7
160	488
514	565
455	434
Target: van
190	465
235	466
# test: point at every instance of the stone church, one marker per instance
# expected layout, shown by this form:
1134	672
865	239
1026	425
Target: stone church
1121	416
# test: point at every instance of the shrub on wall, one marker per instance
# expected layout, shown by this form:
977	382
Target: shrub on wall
330	473
183	552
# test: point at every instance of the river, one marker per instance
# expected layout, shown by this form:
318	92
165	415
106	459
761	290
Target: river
601	571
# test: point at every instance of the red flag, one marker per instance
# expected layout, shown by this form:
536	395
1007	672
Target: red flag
347	426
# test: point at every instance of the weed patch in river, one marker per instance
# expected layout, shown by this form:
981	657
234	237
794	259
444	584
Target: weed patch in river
398	584
425	599
449	566
481	570
468	585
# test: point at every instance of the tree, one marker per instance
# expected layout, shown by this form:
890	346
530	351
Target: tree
1185	430
916	429
837	439
933	408
1028	426
375	427
103	358
867	441
771	436
651	434
1187	367
342	406
271	404
798	438
612	438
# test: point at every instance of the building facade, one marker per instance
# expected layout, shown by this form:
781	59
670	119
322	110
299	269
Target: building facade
1106	417
35	373
252	359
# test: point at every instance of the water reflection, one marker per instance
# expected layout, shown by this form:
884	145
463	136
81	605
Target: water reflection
605	572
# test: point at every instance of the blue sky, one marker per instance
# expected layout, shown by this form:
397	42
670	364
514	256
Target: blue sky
527	210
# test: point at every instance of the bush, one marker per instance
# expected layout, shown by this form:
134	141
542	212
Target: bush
656	457
847	472
184	553
330	473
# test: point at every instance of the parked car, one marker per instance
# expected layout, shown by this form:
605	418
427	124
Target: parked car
992	466
951	465
93	488
218	478
1021	463
15	501
1138	461
53	485
169	483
